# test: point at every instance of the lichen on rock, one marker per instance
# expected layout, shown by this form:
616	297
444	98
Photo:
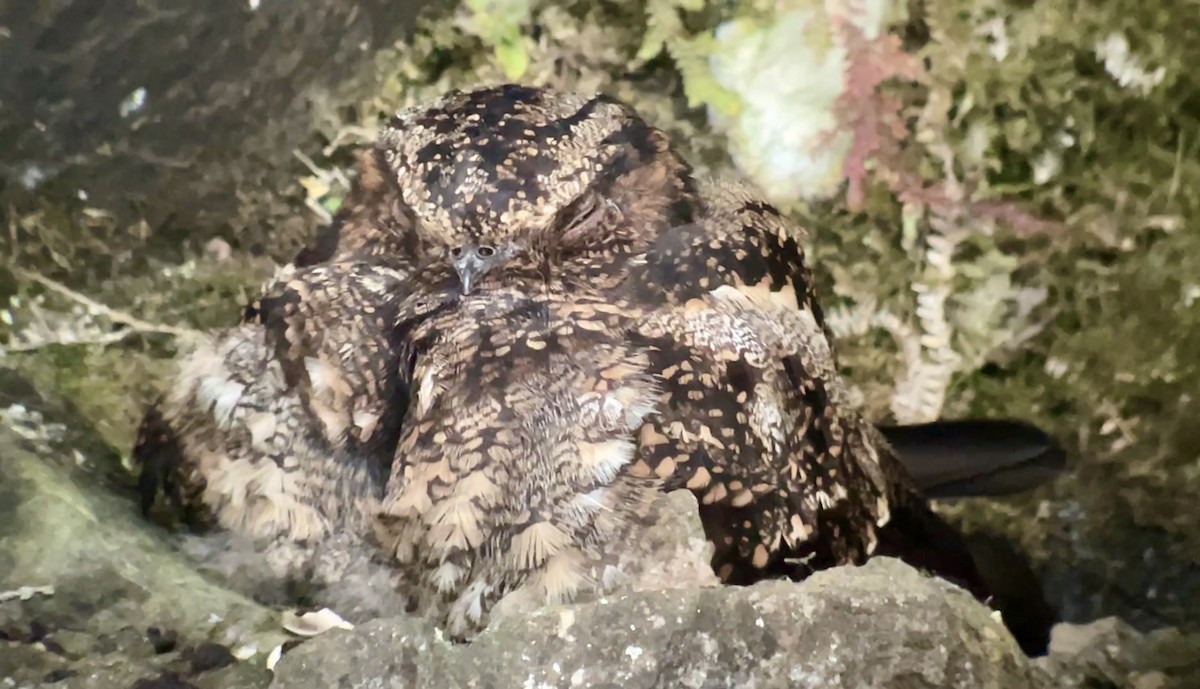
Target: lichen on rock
880	625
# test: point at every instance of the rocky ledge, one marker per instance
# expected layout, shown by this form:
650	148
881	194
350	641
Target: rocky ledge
93	596
880	625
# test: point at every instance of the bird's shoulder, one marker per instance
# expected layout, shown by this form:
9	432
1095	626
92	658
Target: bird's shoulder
736	239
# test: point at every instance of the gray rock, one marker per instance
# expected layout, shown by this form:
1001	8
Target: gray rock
99	577
83	577
880	625
1109	652
177	109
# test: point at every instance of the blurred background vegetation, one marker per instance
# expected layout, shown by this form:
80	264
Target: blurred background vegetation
1003	198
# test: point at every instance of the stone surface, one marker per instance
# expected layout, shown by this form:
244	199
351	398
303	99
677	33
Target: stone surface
92	596
1110	652
182	113
103	577
880	625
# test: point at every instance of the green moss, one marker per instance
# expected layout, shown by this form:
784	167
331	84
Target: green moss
1114	371
111	384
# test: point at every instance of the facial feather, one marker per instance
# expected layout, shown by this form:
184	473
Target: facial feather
516	179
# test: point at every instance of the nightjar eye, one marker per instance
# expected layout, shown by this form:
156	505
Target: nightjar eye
584	216
486	251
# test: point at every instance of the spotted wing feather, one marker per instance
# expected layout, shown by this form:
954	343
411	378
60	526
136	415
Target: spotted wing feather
753	428
755	419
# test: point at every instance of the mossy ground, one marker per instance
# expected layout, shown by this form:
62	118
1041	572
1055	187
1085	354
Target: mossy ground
1082	204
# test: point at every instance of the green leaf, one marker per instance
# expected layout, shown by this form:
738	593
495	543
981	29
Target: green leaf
332	203
513	57
699	86
664	25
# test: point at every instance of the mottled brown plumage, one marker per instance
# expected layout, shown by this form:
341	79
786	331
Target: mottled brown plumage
509	477
283	426
528	319
585	200
545	181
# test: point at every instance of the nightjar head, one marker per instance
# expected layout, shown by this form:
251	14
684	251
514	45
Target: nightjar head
511	178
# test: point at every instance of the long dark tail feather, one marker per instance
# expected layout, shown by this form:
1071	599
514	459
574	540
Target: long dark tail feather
978	457
987	566
1015	590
